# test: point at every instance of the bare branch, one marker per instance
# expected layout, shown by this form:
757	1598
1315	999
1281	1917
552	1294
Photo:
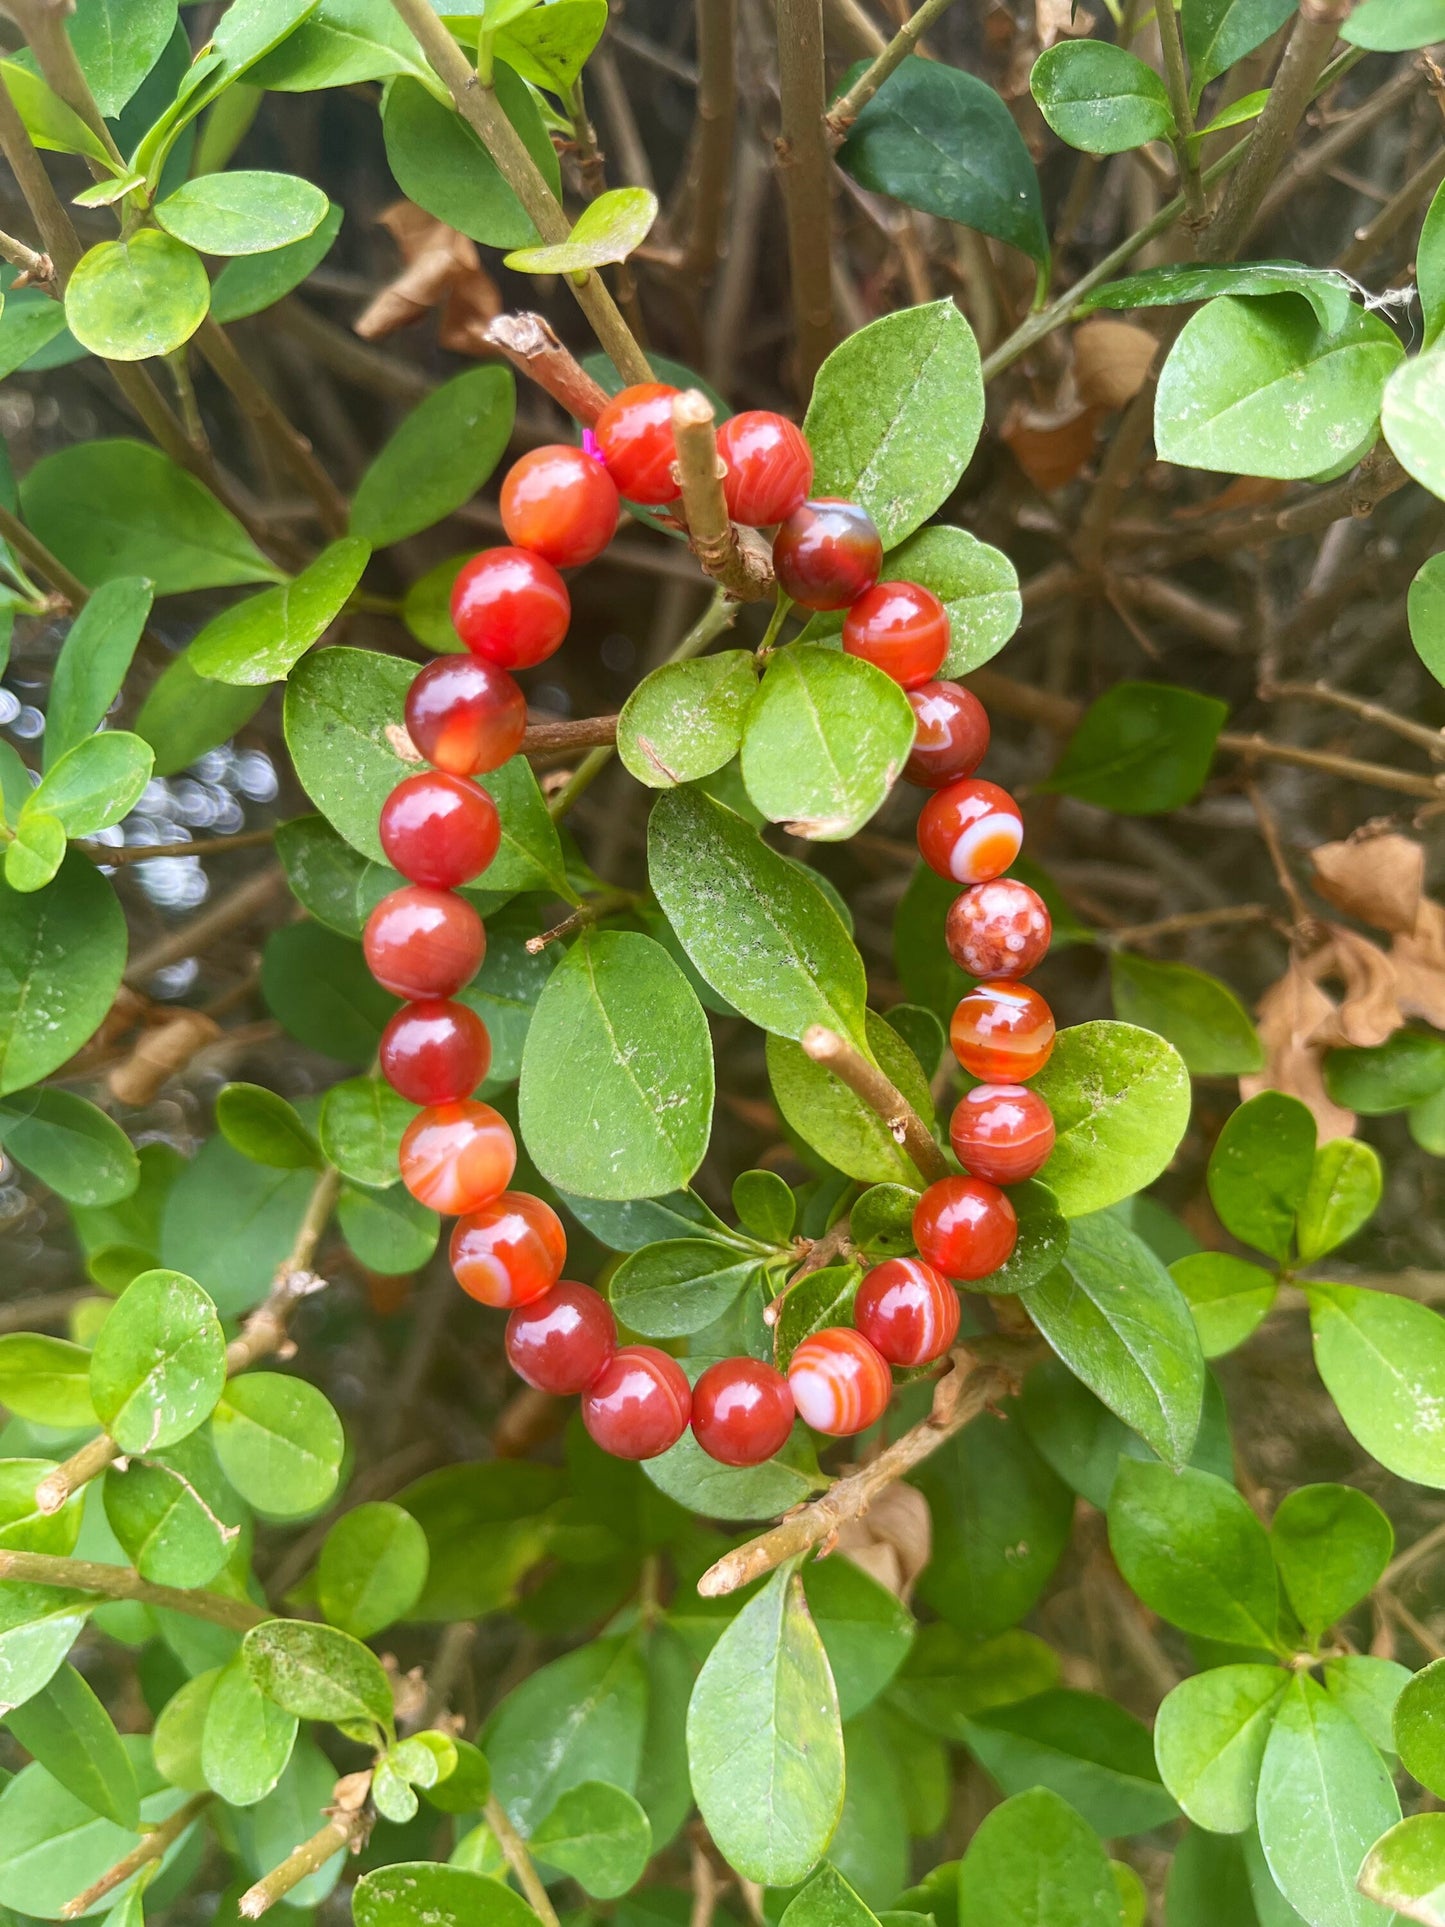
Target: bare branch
904	1125
743	567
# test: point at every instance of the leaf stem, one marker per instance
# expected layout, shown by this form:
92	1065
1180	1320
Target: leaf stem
520	1861
152	1846
119	1582
39	557
904	1125
846	109
1176	81
586	914
347	1829
740	562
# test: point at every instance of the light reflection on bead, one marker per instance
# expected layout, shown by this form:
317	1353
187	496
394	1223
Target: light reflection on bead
907	1311
639	1404
840	1383
950	734
422	943
457	1157
510	1251
1002	1032
971	831
563	1340
998	929
1002	1132
964	1228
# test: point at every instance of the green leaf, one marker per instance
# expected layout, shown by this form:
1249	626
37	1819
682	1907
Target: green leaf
319	987
439	163
572	1721
827	1901
387	1230
549	45
266	1833
37	851
1100	98
1142	748
1382	1359
815	1301
22	1524
159	1362
1319	1766
1331	1543
1120	1099
50	123
38	1627
1192	1550
977	585
65	1727
825	739
279	1442
95	784
341	44
1395	26
619	1021
866	1631
117	43
331	881
897	407
1420	1726
1369	1690
62	951
1260	1169
599	1835
1410	417
94	658
68	1144
607	230
939	139
247	1738
112	508
1083	1747
229	1223
184	715
465	1788
249	283
438	458
262	1126
27	326
947	1680
129	300
1209	1739
1405	1869
1035	1863
46	1380
679	1286
419	1893
1228	1297
685	720
174	1513
686	1473
362	1122
1342	1193
764	1739
1258	387
1426	609
1326	289
261	639
1201	1017
486	1527
1407	1068
242	211
1217	33
838	1125
318	1673
765	1205
757	928
372	1568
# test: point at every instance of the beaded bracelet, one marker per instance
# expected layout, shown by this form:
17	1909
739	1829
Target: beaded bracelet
465	714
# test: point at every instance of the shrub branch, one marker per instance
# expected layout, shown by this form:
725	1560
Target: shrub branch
904	1125
119	1582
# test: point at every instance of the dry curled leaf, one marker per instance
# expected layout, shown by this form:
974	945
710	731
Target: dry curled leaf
1369	1011
893	1541
1050	448
1290	1013
1419	964
442	270
1111	360
1376	877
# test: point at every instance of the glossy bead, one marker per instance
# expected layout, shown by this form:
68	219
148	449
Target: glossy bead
971	831
465	715
827	553
510	607
950	734
840	1384
742	1411
562	1340
435	1052
510	1251
457	1157
639	1403
423	943
907	1311
901	628
1002	1132
634	432
1002	1032
560	503
770	467
964	1228
438	829
998	929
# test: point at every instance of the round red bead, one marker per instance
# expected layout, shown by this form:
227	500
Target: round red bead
964	1228
840	1383
634	432
423	943
1002	1032
465	715
435	1052
509	1251
438	829
901	628
998	929
639	1404
562	1340
950	734
742	1411
510	607
770	467
827	553
1002	1132
907	1311
457	1157
971	831
560	503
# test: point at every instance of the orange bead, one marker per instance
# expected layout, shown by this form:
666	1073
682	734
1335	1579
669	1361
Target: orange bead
1002	1032
509	1252
457	1157
840	1383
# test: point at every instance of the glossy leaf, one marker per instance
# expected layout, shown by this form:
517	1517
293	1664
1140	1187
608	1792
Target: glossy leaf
261	639
184	715
825	739
679	1285
599	1835
262	1126
340	44
439	163
372	1568
1405	1869
607	230
130	300
1342	1193
95	784
838	1125
1228	1296
229	1223
440	456
246	1739
65	1727
1413	399
62	951
318	1673
94	659
1331	1543
46	1380
1035	1863
1217	33
572	1721
1260	1169
1420	1726
117	43
1395	26
685	720
1382	1359
1209	1739
1191	1548
38	1627
279	1441
49	121
1083	1747
174	1513
1405	1070
1426	608
159	1362
70	1145
1142	748
242	211
362	1122
421	1893
1100	98
1327	290
250	282
1201	1017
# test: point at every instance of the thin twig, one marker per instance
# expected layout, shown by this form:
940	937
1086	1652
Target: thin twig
79	1469
346	1829
520	1861
264	1333
118	855
710	167
983	1373
582	918
39	557
805	171
1269	831
1421	1548
744	567
846	109
530	343
1176	81
1432	741
36	270
286	440
1186	920
904	1125
151	1846
119	1582
835	1244
582	732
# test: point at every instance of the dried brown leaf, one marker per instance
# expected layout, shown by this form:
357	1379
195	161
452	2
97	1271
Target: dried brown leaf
1370	1010
1111	360
893	1541
441	269
1419	963
1050	449
1290	1013
1378	878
